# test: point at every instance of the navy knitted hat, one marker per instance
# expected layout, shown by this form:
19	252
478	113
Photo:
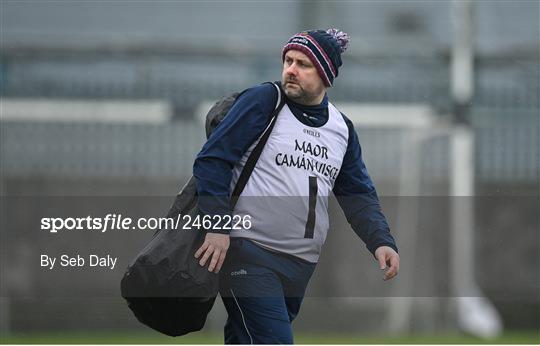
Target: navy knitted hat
323	48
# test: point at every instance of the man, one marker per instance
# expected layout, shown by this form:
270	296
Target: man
313	149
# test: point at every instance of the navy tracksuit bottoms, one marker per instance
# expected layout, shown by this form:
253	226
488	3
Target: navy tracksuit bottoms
262	291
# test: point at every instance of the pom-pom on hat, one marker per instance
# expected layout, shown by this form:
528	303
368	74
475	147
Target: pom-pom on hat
323	48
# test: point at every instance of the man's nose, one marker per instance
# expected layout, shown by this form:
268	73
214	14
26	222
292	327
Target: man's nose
291	70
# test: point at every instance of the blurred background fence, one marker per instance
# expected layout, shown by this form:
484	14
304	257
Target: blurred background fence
76	55
504	113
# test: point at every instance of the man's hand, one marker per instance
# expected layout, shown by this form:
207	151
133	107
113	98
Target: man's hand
214	245
387	256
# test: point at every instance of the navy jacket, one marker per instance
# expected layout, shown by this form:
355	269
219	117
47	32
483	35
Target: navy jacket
245	122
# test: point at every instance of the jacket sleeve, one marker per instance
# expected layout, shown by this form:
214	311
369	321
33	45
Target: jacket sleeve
358	198
244	123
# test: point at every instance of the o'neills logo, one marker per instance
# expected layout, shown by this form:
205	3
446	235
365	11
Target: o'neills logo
239	272
312	133
300	40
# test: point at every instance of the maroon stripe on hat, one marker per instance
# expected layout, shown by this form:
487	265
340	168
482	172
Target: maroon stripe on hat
323	53
304	49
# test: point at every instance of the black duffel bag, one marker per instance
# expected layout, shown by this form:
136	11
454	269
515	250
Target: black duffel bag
165	286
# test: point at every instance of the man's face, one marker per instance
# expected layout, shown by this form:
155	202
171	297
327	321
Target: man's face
300	79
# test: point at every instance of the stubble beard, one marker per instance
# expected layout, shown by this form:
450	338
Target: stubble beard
295	92
298	94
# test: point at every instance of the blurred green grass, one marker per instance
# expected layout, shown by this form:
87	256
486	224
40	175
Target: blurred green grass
140	337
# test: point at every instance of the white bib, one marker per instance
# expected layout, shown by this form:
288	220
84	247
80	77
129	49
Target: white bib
287	193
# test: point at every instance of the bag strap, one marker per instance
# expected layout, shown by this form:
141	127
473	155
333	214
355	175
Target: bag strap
256	153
